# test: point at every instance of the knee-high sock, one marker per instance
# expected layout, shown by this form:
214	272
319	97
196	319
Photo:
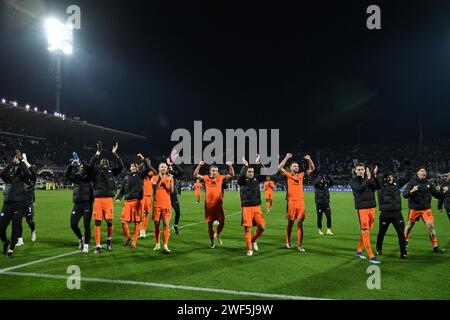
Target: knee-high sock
267	205
126	230
156	232
257	234
220	227
110	231
288	233
300	235
248	239
166	234
211	232
97	235
361	243
144	226
433	238
366	240
137	229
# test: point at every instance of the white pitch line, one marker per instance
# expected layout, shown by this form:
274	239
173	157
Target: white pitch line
75	252
40	261
166	286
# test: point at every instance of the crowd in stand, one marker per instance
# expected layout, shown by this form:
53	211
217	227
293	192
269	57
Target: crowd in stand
336	161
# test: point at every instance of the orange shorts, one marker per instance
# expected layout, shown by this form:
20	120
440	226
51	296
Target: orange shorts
146	204
295	210
163	213
131	211
103	209
426	215
366	218
213	212
269	195
197	195
252	215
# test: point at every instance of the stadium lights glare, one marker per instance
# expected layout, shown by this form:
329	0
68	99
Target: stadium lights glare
3	101
45	111
35	109
27	107
60	37
14	103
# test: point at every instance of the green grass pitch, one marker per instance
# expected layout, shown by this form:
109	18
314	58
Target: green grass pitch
328	269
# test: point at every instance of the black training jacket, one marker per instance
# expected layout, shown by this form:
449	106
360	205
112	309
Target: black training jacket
322	193
421	199
249	188
133	184
30	187
389	195
82	187
103	180
363	192
15	177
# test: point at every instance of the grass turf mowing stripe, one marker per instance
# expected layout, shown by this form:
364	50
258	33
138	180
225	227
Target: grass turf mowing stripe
75	252
165	286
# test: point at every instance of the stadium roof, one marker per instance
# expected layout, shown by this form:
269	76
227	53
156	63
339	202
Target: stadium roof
33	123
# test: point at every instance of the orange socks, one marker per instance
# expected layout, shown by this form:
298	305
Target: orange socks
166	235
145	221
288	234
137	229
366	240
97	235
248	239
109	232
361	243
300	236
126	230
211	232
256	235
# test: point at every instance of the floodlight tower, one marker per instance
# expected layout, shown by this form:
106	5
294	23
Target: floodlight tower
60	43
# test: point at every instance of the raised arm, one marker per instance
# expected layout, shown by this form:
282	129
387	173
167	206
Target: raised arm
197	170
311	166
119	163
243	173
283	164
230	173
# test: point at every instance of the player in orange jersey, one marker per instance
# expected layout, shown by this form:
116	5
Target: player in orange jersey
214	198
269	185
132	191
162	209
146	202
198	190
295	197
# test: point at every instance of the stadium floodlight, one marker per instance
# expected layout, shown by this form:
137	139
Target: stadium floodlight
45	111
27	107
60	37
35	109
14	103
3	101
60	43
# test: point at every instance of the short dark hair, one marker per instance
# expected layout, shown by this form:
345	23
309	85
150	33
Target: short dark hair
213	166
360	164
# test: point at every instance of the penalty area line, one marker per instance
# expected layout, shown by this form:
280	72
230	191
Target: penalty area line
165	286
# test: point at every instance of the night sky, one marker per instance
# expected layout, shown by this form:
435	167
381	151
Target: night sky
311	69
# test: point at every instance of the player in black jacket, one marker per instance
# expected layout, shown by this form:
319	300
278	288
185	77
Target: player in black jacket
390	202
104	186
83	197
133	190
15	175
30	197
322	199
444	201
363	186
176	171
419	193
251	204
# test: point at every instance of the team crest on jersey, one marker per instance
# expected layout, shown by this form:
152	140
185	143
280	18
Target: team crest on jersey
213	183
